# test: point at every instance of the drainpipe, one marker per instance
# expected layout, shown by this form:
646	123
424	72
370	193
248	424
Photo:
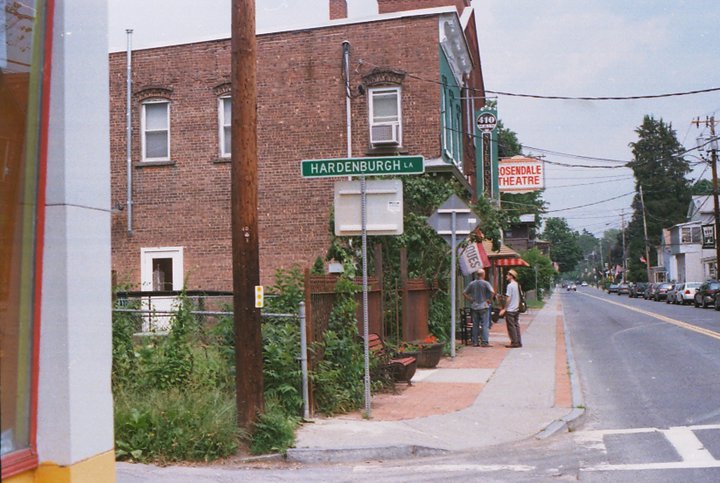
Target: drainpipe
348	117
128	121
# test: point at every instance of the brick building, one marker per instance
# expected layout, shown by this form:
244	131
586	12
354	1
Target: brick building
410	75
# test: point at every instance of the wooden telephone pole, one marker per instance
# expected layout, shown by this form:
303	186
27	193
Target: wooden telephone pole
245	252
712	147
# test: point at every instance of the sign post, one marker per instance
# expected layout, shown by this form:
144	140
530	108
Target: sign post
375	166
453	218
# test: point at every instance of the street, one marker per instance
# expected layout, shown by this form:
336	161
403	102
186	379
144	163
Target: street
648	373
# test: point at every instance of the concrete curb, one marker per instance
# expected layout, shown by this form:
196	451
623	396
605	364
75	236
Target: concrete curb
573	419
345	455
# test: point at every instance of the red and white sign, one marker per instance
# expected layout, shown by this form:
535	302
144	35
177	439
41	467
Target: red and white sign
520	174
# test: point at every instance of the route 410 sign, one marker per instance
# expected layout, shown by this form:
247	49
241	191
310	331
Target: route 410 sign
487	120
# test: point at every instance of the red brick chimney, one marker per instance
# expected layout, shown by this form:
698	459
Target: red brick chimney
387	6
338	9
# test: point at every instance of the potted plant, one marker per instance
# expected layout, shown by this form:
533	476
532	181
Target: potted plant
427	351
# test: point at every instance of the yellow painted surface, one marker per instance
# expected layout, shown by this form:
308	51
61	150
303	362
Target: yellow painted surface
98	469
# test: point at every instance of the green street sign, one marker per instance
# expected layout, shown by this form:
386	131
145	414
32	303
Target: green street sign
376	166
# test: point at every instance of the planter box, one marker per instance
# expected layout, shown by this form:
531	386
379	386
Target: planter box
429	356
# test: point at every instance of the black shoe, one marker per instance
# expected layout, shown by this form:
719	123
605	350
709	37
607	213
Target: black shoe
485	344
476	345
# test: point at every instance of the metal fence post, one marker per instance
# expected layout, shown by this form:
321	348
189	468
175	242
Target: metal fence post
303	363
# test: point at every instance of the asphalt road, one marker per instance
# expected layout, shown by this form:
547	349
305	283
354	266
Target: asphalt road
649	373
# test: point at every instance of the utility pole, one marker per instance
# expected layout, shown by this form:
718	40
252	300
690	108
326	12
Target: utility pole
245	252
647	245
622	221
713	143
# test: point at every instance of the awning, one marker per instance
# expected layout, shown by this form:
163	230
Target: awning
510	262
505	257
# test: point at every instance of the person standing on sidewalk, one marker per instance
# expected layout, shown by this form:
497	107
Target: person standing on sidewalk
511	311
480	293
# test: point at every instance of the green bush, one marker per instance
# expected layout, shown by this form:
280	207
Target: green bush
175	425
274	429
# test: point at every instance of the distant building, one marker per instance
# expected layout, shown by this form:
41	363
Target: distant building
415	85
684	256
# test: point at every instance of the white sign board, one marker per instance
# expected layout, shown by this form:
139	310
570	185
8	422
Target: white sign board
384	207
520	174
470	259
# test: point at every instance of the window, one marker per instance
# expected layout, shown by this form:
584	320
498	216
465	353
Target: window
451	117
24	91
690	234
385	116
225	117
156	130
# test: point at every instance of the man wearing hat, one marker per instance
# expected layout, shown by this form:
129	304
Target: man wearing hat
511	311
480	293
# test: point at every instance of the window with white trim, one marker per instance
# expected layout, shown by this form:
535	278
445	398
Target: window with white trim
690	234
385	116
156	130
225	118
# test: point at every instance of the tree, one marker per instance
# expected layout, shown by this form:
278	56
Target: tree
541	266
702	187
660	169
564	244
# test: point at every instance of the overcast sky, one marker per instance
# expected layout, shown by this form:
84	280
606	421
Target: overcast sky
592	48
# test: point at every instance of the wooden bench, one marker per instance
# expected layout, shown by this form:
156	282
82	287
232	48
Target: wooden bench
401	368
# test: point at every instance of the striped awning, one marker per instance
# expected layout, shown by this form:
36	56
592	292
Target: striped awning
510	262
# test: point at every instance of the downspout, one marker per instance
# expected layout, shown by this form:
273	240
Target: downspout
128	121
348	113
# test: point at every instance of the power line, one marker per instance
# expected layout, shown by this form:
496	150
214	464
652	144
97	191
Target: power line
604	98
591	204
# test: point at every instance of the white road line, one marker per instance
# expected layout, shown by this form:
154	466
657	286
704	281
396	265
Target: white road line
688	446
682	438
684	325
446	468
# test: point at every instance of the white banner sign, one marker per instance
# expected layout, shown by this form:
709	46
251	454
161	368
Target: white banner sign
470	260
520	174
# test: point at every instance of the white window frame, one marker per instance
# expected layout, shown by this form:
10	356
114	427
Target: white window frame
222	124
144	130
372	92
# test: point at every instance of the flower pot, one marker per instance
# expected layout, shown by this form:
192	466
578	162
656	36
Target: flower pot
429	355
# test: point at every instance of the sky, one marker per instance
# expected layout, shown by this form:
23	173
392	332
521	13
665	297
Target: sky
593	48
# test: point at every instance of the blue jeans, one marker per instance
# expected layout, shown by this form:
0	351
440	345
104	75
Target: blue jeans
481	319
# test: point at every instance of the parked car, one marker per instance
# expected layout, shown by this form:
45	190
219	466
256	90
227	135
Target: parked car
706	293
661	291
623	288
613	288
637	290
572	288
685	292
584	284
670	296
650	291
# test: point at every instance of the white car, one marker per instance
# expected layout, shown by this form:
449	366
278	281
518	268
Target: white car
685	292
584	284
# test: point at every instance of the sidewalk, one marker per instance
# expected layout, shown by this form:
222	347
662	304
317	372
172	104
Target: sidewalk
485	396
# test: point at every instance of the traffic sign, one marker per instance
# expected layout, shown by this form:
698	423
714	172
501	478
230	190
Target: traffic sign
487	120
375	166
442	220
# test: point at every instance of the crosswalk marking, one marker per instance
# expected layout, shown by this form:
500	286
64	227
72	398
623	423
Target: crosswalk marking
682	438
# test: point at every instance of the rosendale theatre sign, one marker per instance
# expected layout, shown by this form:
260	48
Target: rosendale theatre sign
520	174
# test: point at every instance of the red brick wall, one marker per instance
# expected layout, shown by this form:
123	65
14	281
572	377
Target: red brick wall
386	6
301	115
338	9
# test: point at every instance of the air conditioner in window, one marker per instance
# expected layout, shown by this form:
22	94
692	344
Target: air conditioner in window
385	133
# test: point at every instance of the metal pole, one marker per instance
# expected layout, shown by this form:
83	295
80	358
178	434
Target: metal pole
622	218
304	363
366	335
713	161
453	262
245	246
128	128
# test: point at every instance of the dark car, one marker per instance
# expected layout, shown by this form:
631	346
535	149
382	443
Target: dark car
623	288
637	290
613	288
650	291
661	291
706	294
